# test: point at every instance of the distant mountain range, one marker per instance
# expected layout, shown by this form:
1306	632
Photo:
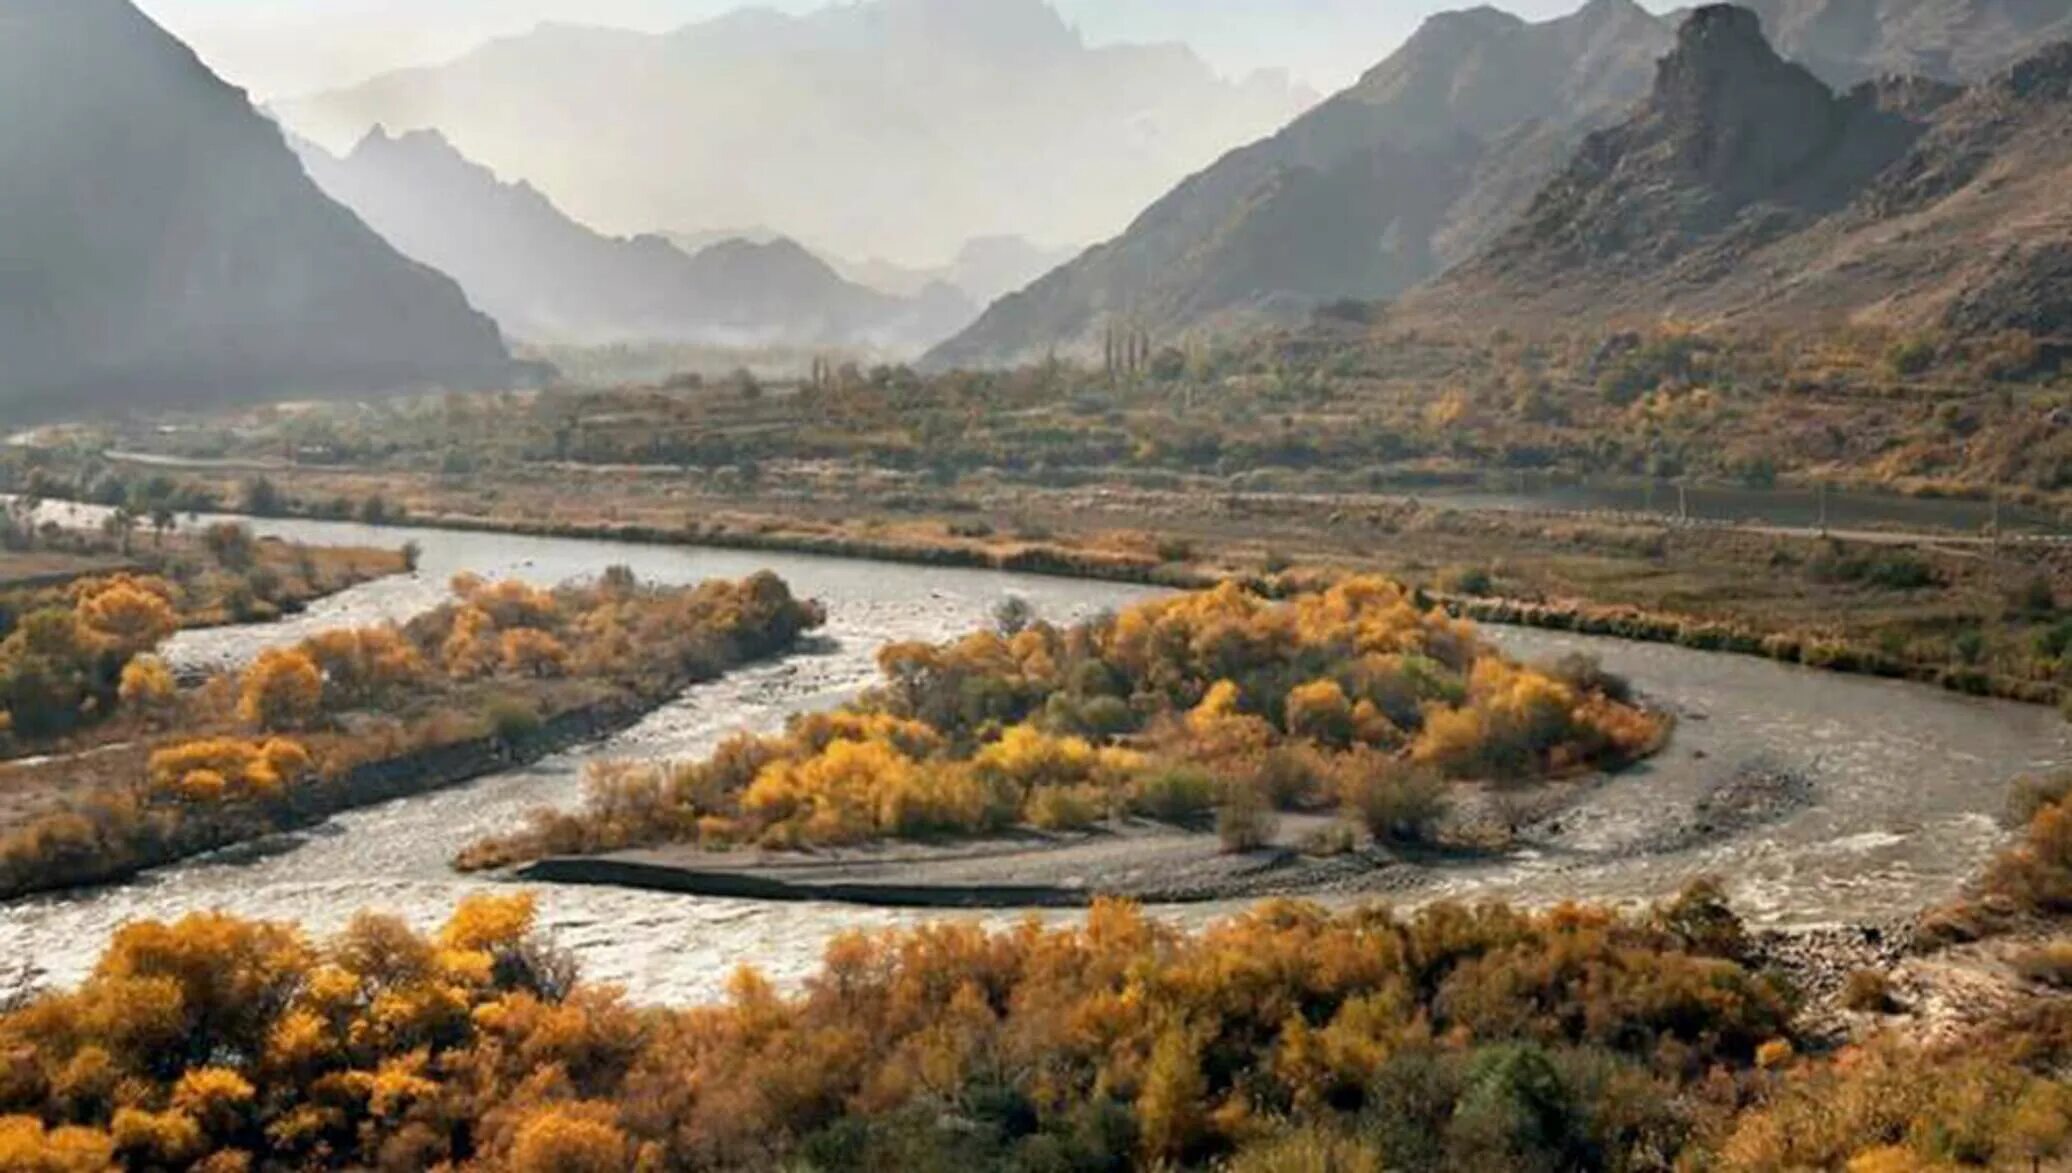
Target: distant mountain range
984	270
160	243
892	128
1432	155
1745	190
548	279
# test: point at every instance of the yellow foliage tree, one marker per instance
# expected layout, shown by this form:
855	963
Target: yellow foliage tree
147	684
128	616
529	651
228	769
571	1138
1321	712
363	664
26	1146
471	648
281	690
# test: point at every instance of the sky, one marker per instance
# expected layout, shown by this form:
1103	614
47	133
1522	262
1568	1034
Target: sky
280	48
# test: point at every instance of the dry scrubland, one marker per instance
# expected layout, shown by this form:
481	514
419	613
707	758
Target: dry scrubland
349	716
1340	406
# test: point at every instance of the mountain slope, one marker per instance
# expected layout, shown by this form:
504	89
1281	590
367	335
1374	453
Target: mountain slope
1745	190
157	238
549	279
893	128
1373	191
1846	42
1431	155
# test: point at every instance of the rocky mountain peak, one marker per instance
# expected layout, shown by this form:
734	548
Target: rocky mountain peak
418	144
1728	112
1734	147
1609	13
2043	76
1722	63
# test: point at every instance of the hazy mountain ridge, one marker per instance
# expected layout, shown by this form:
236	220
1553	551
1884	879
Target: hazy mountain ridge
895	128
985	268
158	238
1746	190
549	279
1846	42
1426	160
1363	197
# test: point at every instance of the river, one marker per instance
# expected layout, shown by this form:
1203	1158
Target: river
1898	791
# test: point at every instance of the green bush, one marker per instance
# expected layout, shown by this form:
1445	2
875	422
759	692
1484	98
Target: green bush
1181	794
511	720
1910	356
1244	819
1394	801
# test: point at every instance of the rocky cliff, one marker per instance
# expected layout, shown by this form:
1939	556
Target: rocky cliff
1744	189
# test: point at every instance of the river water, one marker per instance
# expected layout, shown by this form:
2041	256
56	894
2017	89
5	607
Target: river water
1896	787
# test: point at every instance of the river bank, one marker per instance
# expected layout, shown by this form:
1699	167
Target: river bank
1953	611
308	805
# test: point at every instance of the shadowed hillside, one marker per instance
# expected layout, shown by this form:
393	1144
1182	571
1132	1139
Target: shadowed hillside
159	242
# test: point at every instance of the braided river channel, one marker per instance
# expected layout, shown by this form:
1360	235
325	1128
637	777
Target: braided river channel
1817	799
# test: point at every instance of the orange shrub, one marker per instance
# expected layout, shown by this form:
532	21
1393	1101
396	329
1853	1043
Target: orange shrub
360	665
130	615
281	690
228	770
528	652
147	684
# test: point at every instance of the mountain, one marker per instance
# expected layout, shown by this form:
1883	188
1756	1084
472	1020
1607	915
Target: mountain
549	279
1432	154
983	270
1745	190
159	240
1847	42
1380	187
895	128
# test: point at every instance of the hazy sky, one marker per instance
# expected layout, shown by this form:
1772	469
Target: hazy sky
279	47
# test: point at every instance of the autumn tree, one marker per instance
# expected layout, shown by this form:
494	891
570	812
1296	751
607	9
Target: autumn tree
528	651
281	690
147	684
1320	711
129	615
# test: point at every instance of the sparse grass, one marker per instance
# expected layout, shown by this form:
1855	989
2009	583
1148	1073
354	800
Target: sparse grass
1868	991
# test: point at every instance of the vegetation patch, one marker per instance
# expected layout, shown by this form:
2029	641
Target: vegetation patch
506	671
84	611
1285	1038
1217	706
